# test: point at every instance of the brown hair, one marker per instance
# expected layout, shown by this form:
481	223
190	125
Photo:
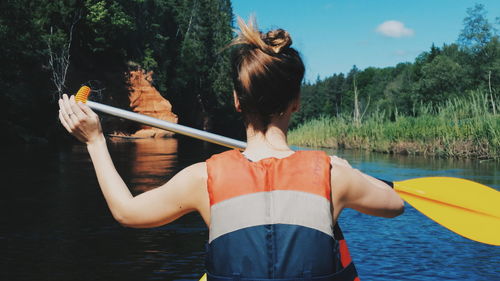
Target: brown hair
266	71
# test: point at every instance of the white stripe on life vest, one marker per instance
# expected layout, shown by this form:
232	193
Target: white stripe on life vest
274	207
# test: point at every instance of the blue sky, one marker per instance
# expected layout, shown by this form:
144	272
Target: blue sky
332	36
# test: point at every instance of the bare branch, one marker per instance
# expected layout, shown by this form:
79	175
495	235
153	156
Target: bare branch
59	57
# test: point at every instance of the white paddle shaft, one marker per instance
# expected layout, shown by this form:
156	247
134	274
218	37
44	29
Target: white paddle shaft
169	126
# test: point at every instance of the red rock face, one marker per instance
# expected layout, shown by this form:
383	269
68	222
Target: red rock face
145	99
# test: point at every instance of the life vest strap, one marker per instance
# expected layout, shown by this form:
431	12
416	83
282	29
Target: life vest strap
348	273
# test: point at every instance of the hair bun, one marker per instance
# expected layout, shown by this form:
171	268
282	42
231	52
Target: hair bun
277	40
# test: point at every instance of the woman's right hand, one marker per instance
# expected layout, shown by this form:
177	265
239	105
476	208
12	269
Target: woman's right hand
79	120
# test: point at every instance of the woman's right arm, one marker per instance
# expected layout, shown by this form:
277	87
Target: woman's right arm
183	193
356	190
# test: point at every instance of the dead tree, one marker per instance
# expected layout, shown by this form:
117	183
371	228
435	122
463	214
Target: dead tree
59	56
357	115
491	94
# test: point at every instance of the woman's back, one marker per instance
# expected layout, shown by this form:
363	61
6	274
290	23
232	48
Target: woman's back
272	218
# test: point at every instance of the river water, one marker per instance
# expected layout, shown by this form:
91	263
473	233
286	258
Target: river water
56	225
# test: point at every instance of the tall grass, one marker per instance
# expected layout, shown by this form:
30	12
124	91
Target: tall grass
461	127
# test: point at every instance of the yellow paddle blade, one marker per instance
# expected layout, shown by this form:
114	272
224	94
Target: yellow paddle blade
465	207
204	277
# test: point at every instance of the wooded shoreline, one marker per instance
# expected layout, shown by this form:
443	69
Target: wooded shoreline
99	43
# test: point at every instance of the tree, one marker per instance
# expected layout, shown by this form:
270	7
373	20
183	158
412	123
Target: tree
179	40
201	78
441	79
475	39
59	46
477	31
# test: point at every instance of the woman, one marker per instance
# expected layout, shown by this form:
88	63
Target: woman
271	211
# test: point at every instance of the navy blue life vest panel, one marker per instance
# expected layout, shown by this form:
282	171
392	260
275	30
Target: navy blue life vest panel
274	251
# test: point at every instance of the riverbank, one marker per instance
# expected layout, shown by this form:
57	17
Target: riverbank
466	128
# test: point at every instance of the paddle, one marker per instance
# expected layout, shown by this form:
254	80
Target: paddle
465	207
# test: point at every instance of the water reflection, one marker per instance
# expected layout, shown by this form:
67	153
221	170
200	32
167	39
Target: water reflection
150	161
59	227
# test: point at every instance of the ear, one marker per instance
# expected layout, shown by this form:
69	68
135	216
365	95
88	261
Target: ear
236	102
295	105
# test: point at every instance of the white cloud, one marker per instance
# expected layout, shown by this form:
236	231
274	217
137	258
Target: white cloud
394	28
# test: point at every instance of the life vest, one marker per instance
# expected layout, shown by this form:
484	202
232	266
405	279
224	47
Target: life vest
272	219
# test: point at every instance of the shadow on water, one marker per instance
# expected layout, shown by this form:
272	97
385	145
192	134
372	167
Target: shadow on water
58	226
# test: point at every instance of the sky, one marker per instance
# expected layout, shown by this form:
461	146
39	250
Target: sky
333	35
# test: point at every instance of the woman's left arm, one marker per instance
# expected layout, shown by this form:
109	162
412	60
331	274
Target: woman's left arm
184	193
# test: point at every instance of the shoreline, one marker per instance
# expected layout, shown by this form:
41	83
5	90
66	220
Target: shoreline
466	127
404	148
407	136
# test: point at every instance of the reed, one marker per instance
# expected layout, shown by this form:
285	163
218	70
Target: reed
461	127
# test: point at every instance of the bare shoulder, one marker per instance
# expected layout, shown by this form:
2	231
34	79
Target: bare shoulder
341	174
193	177
197	170
335	160
197	176
191	186
189	179
353	189
340	171
340	179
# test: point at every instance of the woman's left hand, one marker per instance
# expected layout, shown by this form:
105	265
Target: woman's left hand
79	120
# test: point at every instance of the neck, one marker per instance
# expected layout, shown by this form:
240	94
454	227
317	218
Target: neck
271	143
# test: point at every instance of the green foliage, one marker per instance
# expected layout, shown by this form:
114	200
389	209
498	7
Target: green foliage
180	41
148	62
461	127
183	42
202	87
441	79
477	31
444	103
436	75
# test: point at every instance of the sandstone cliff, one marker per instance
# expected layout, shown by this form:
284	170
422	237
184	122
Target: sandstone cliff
145	99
